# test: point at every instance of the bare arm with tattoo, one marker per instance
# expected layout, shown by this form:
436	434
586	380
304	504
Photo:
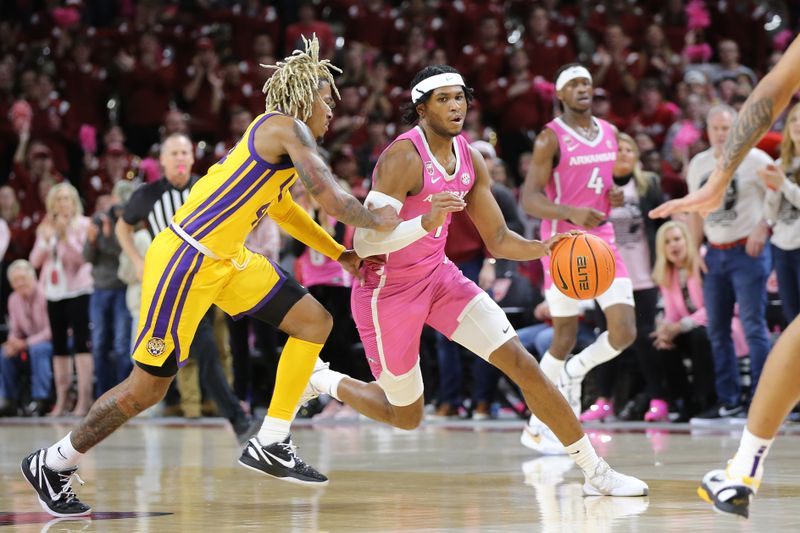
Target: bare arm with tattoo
766	102
284	135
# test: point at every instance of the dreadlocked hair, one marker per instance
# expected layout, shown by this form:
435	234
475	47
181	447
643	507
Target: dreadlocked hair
293	87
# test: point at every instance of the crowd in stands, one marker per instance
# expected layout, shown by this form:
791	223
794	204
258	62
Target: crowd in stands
90	89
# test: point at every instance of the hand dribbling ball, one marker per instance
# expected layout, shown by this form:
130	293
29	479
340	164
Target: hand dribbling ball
582	266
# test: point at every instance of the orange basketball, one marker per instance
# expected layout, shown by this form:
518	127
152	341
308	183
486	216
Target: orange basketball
582	266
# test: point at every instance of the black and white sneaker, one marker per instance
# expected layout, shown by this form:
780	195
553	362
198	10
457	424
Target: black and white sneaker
718	414
280	461
53	487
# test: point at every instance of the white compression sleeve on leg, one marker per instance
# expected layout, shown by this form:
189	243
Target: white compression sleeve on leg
369	242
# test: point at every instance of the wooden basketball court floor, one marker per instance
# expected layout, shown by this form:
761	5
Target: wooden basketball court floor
165	475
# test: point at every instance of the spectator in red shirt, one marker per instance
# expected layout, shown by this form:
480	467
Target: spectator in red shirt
85	86
659	60
112	167
370	23
377	140
307	26
240	91
413	57
549	49
147	85
655	116
8	137
482	61
263	53
33	164
249	21
349	124
617	70
203	94
53	122
240	118
383	97
22	227
601	108
518	106
672	18
631	18
345	168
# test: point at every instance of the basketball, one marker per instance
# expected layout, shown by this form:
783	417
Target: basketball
582	266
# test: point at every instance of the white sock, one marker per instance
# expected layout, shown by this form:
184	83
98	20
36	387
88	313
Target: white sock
582	452
273	430
751	454
329	381
551	367
595	354
62	455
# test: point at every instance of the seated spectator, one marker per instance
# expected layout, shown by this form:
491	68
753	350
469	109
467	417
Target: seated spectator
28	338
682	332
66	280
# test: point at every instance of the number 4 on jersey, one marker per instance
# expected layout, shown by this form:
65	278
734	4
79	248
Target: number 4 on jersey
595	181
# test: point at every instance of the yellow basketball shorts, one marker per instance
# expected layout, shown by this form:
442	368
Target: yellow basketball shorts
180	284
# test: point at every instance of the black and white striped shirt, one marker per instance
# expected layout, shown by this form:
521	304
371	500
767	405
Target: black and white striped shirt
155	203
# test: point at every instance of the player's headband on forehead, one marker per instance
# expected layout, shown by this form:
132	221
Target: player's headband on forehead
434	82
569	74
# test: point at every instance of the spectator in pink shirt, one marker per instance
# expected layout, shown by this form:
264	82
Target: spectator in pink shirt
66	280
29	335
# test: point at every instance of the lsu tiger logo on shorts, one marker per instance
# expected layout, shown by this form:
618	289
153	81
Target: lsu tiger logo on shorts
156	346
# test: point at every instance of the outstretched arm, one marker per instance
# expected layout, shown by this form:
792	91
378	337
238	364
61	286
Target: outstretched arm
765	103
285	135
488	219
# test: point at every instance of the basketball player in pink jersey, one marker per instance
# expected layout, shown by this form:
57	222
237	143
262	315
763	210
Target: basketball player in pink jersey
426	174
570	186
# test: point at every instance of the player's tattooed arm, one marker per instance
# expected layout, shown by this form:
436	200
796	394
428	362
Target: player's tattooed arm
747	130
322	185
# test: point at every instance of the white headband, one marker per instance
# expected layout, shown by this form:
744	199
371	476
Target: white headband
434	82
570	74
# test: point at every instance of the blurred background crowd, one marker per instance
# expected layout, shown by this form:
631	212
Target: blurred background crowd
89	89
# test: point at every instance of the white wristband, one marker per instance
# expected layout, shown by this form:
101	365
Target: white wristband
368	242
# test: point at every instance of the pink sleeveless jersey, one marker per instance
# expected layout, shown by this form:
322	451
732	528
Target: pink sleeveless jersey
583	176
423	256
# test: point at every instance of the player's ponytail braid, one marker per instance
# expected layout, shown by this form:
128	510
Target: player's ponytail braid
293	86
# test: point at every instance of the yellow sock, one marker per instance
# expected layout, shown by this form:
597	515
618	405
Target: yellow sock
294	370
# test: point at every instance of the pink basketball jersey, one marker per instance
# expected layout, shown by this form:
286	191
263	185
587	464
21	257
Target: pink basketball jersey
583	176
422	256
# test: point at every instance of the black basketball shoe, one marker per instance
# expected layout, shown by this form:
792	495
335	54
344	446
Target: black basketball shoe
54	488
279	460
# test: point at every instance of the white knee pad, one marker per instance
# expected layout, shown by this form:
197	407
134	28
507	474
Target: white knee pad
483	327
402	390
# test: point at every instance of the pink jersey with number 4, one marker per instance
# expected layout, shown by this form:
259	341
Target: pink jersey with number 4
583	177
421	257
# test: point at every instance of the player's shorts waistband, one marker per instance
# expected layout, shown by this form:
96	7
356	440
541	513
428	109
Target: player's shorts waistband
194	243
